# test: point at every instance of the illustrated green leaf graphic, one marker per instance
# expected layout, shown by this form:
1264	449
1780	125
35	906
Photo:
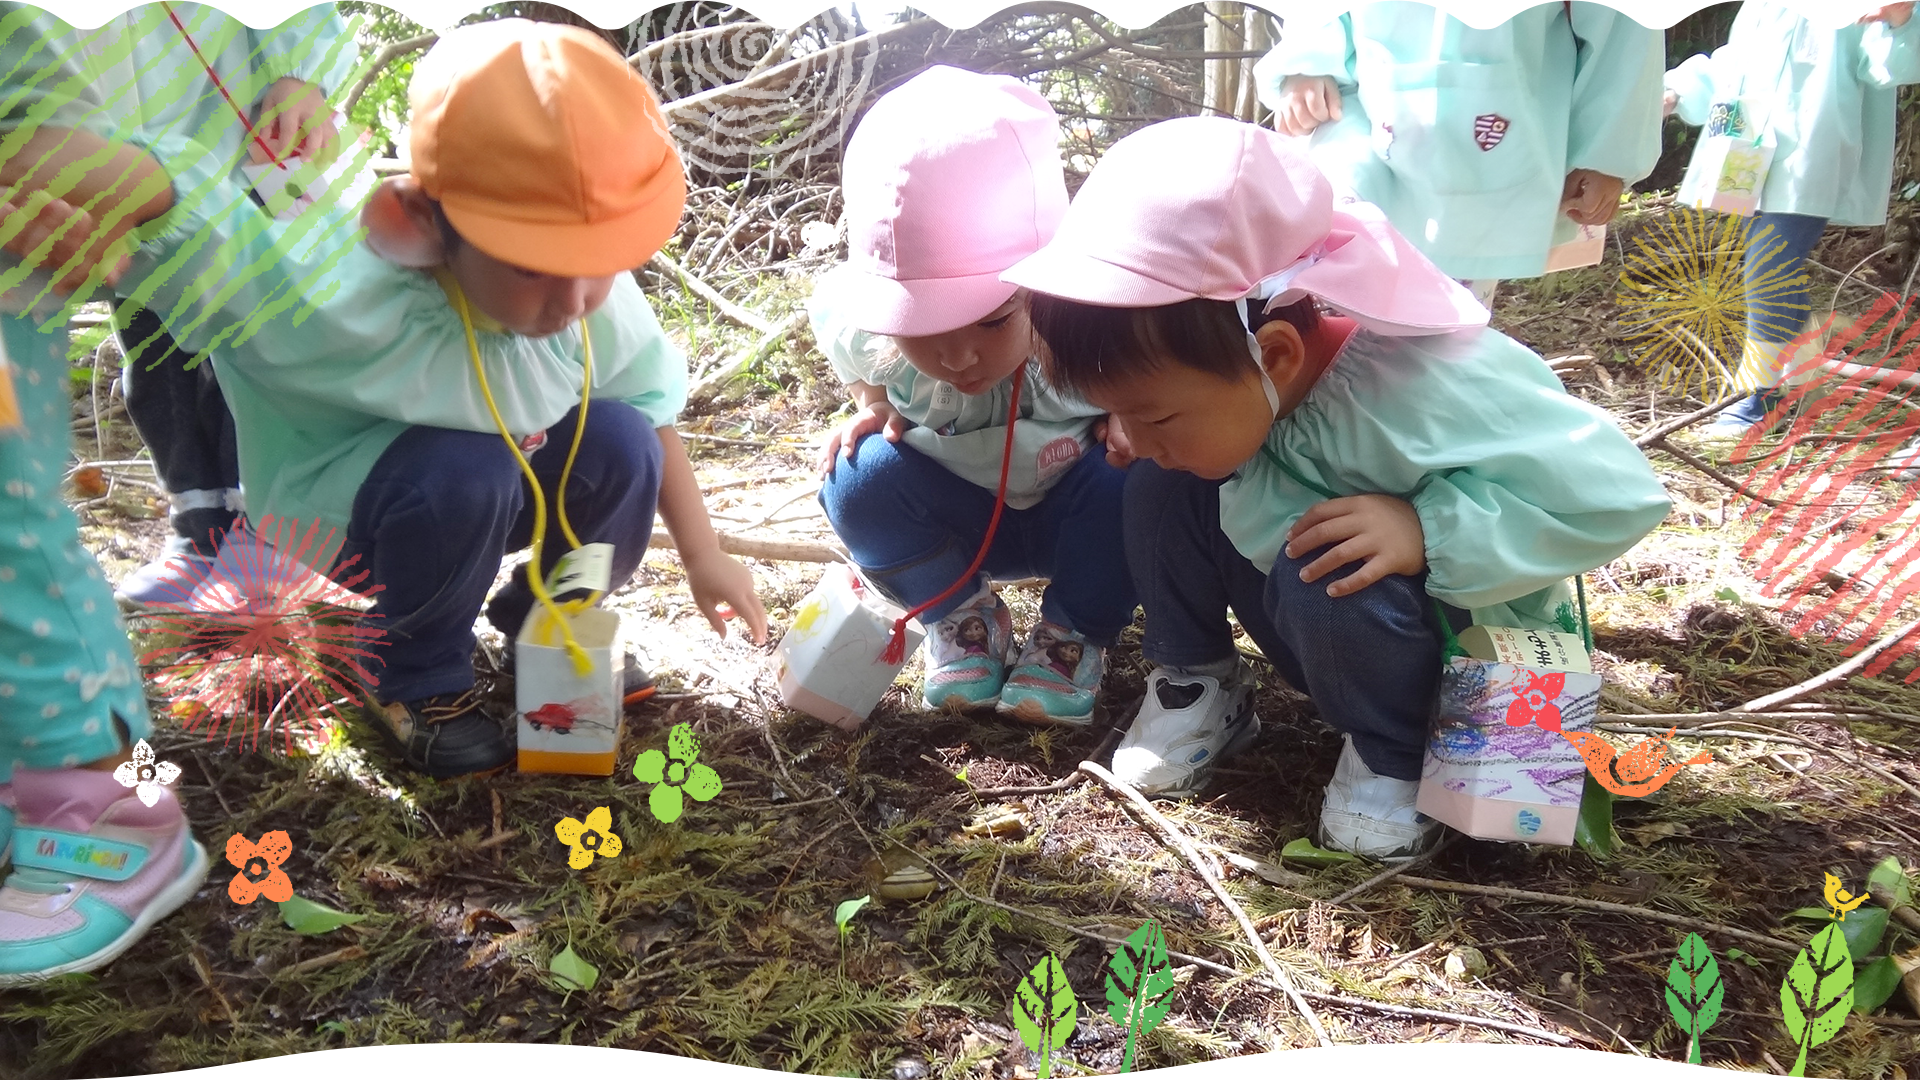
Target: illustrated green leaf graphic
1888	883
1139	986
844	914
307	917
1304	851
1876	984
1044	1010
573	972
1694	992
1817	993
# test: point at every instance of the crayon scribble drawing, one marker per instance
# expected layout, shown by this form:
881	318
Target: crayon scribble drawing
265	641
1835	545
1683	299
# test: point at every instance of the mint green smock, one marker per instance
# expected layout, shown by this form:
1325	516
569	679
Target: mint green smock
326	352
1465	137
965	433
1832	95
1518	485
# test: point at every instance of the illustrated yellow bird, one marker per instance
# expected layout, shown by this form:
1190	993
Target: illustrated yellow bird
1840	900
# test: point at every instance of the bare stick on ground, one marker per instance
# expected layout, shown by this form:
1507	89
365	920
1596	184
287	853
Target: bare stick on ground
1601	905
1830	677
1178	839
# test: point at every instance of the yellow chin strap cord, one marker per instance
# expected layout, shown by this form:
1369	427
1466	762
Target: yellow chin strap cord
582	663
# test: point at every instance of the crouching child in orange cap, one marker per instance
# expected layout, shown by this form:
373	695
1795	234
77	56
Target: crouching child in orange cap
371	383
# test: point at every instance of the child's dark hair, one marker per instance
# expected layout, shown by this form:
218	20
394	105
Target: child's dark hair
450	238
1091	347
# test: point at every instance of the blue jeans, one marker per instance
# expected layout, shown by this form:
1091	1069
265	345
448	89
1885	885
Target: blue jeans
913	527
441	508
1777	290
1369	661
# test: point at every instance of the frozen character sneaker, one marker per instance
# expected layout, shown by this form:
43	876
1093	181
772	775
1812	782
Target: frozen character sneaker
967	654
169	579
93	869
1187	724
250	576
446	735
1373	816
1056	679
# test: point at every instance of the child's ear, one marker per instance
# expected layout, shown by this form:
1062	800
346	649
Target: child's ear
1283	352
400	225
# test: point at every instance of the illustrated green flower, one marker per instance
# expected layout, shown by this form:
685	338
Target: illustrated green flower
675	771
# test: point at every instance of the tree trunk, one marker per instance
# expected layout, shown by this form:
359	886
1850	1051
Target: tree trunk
1220	89
1258	27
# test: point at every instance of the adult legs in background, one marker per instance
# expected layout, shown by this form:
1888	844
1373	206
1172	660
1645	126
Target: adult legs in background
1370	662
93	866
1777	307
433	520
183	419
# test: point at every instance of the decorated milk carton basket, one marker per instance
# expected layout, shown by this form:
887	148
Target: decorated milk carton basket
830	661
569	719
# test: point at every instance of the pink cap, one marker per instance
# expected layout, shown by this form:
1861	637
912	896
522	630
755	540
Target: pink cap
949	180
1215	208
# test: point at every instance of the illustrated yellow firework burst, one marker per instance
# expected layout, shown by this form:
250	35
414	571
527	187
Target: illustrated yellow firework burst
1684	295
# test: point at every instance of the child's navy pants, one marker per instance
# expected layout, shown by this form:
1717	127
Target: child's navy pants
1369	661
913	527
441	508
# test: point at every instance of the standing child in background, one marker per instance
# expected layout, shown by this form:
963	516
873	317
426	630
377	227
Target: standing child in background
1828	99
949	180
406	393
147	71
93	866
1332	478
1475	142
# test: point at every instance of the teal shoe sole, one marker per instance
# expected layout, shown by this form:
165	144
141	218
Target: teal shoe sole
165	903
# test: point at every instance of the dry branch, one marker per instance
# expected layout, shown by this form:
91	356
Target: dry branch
387	55
712	295
1831	676
756	548
1601	905
710	383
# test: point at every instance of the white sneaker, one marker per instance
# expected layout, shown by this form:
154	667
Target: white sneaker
1186	724
1373	816
1905	463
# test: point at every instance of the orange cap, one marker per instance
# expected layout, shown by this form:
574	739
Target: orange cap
544	148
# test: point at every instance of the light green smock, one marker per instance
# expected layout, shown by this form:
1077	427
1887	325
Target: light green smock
1832	95
965	433
1518	484
1465	137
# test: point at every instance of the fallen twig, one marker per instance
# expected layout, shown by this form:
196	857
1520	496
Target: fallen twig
338	956
1393	871
1661	444
712	295
1657	434
755	548
1831	676
712	381
1172	833
1681	921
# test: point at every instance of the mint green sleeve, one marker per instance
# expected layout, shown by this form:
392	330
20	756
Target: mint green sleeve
1693	82
314	46
1614	126
1549	490
853	353
1325	49
41	84
642	366
1890	57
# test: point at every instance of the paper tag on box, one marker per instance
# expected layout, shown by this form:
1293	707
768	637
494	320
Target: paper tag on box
294	185
589	567
830	661
1497	766
1545	650
569	720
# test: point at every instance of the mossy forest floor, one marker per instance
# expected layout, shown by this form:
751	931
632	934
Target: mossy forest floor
715	936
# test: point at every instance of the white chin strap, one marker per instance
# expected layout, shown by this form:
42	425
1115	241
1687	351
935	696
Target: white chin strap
1266	292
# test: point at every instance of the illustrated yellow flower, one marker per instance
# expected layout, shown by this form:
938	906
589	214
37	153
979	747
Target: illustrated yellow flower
594	837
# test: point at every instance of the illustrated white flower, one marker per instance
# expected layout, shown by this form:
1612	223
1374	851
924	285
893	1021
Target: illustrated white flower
145	775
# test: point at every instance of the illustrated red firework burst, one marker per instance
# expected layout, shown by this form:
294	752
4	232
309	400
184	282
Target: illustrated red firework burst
265	641
1837	543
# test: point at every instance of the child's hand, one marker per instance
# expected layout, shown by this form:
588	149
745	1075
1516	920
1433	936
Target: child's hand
1669	103
723	589
879	416
1591	198
1894	15
1306	102
1119	451
295	123
29	219
1379	531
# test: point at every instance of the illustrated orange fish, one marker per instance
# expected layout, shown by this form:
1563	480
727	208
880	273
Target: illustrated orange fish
556	716
1642	770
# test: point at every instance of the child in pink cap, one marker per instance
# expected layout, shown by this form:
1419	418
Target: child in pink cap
1333	444
950	180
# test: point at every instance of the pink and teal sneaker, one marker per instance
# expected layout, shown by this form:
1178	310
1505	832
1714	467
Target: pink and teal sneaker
93	870
967	654
6	823
1056	680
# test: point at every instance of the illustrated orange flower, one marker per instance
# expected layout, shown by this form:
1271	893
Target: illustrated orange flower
259	866
1535	703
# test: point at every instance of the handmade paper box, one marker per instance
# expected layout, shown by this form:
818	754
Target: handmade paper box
1730	164
1496	766
830	661
1575	246
569	722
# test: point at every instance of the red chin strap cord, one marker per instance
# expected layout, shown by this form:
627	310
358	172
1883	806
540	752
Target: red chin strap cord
222	87
896	650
